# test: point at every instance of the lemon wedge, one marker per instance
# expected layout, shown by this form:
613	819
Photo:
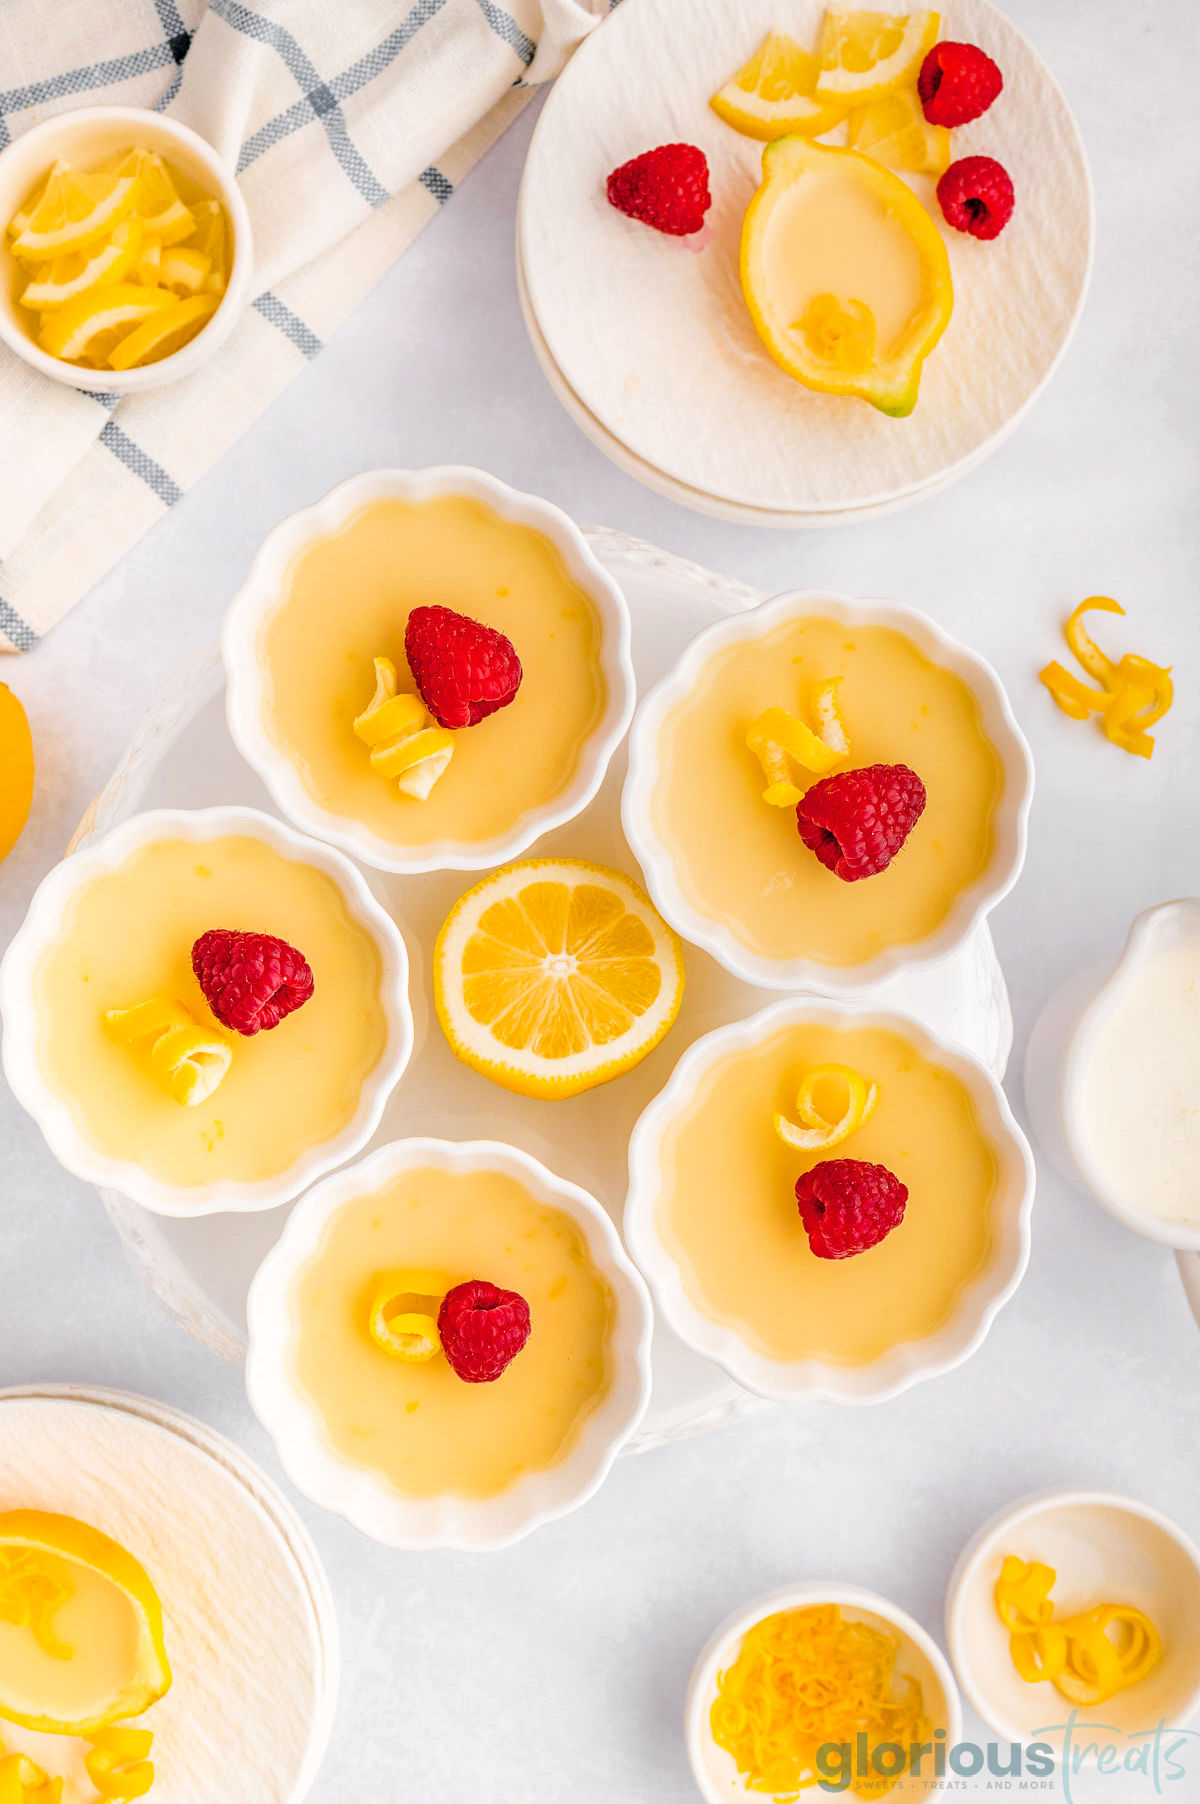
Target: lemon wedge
865	55
164	331
78	272
844	272
107	1618
16	764
74	212
553	975
895	131
773	94
184	270
88	328
163	214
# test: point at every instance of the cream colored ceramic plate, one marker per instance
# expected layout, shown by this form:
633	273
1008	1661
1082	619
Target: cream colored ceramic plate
250	1624
651	334
183	756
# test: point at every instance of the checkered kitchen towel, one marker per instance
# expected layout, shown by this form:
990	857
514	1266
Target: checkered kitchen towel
349	121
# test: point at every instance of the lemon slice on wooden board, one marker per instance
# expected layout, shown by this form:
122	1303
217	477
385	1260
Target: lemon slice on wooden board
554	975
773	93
866	54
81	1629
74	212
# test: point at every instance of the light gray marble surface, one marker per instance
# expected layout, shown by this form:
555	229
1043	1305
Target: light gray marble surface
557	1670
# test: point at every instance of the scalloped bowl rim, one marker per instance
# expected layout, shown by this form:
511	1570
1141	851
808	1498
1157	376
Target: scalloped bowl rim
259	596
18	1010
720	1645
982	1544
814	1379
720	939
354	1492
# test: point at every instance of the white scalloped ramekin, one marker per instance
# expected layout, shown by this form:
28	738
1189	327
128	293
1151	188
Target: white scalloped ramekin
721	938
19	1012
87	134
714	1770
818	1380
361	1496
259	596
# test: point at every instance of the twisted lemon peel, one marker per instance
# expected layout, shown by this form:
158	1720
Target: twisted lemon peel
776	736
819	1133
116	1762
401	1322
23	1781
188	1060
1131	695
404	742
31	1597
840	332
1076	1653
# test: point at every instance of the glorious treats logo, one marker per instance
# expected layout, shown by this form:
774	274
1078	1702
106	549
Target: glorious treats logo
1158	1756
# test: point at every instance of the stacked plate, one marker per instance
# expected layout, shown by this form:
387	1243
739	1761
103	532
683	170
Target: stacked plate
647	341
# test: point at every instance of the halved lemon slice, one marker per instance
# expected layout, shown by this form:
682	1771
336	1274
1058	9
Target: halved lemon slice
184	270
163	214
75	212
553	975
81	1629
34	199
895	131
865	55
165	331
79	271
773	94
88	328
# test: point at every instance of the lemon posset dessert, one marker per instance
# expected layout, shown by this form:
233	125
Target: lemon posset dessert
827	791
210	1010
828	1193
81	1652
432	671
121	264
451	1332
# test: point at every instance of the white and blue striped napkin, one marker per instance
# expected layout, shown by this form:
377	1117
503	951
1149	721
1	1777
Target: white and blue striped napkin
349	122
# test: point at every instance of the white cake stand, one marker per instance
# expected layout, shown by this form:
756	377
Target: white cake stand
182	757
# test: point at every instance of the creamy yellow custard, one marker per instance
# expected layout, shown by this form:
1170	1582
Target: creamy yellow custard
728	1214
92	1633
127	936
346	601
742	863
418	1426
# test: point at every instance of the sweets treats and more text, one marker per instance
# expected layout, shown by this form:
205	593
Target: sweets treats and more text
525	997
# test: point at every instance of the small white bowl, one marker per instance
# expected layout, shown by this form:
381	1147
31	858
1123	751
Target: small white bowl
259	596
721	938
19	1012
715	1771
817	1380
361	1496
1105	1549
89	135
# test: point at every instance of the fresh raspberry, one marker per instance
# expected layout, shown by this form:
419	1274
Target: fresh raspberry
848	1206
976	195
250	980
665	188
463	669
957	83
857	820
483	1329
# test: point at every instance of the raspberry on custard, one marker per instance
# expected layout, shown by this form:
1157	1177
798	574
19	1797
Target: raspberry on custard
857	820
251	981
848	1206
463	670
666	188
957	83
482	1329
976	196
